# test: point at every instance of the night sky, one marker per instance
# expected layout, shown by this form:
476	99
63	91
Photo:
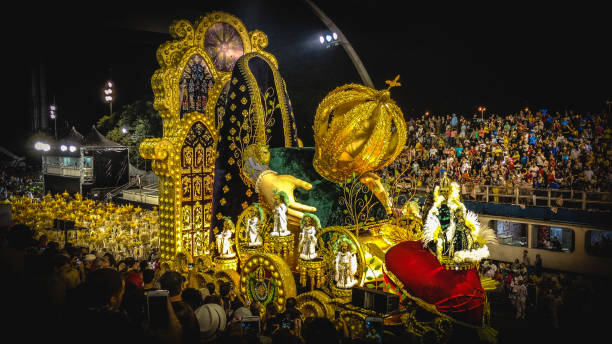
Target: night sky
451	59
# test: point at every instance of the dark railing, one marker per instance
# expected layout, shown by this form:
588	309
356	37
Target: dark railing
560	198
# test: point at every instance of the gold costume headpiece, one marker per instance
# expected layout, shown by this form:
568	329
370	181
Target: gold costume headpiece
445	185
357	130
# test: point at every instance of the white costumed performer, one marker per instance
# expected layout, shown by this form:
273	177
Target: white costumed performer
281	201
307	245
224	242
345	267
253	236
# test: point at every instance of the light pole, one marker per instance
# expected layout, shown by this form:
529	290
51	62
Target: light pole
338	36
482	110
108	95
53	115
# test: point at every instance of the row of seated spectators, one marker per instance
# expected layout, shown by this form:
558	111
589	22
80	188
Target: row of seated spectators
527	149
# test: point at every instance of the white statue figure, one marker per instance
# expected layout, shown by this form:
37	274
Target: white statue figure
281	201
345	267
307	245
253	236
224	242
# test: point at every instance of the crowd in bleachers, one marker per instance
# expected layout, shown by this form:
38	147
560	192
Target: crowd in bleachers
20	180
527	149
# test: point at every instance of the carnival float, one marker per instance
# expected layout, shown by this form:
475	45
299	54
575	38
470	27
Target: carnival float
241	199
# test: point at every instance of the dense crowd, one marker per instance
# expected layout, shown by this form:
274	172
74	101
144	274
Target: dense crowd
71	294
528	150
19	181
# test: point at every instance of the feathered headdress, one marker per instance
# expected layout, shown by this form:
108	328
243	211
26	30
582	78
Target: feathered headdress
314	218
283	196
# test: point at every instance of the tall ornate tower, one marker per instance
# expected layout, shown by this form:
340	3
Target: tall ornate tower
190	89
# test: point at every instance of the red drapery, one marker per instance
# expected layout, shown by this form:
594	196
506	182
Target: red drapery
456	293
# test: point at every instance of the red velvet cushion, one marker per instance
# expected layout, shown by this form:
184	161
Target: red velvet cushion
456	293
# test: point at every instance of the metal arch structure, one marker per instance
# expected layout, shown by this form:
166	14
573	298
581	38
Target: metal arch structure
363	73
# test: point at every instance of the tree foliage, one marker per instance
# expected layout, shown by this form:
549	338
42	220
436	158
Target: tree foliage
140	121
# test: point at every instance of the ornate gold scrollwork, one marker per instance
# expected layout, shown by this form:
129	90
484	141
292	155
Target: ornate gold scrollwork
315	304
267	278
189	40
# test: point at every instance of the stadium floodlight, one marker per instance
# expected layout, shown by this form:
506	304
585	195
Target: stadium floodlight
42	146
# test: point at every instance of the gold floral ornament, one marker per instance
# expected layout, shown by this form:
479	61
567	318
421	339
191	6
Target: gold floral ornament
358	130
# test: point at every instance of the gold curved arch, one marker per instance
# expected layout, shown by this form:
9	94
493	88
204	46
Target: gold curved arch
228	276
315	304
221	17
329	256
352	323
279	84
245	252
178	73
280	272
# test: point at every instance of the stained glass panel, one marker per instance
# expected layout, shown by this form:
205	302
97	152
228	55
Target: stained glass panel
194	86
224	45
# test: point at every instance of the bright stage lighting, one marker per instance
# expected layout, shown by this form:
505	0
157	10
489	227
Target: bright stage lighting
41	146
335	35
328	38
63	148
72	149
321	39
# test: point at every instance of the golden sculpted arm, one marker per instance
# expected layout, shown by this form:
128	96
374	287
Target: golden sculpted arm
256	168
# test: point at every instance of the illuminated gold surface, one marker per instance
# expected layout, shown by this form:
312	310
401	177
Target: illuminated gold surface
313	271
357	130
343	295
226	263
283	246
327	251
280	273
315	304
173	56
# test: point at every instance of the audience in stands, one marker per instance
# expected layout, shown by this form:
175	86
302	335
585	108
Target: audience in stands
528	150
